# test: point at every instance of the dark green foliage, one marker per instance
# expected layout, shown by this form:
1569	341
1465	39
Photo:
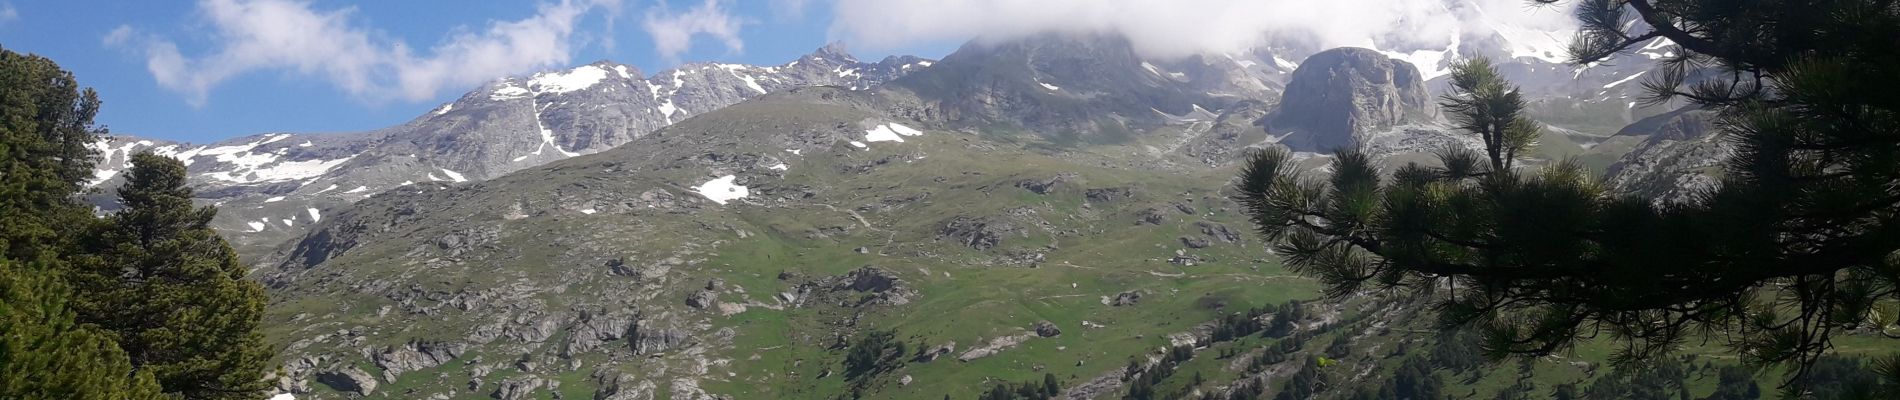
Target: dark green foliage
1236	325
1735	383
45	352
1458	351
89	301
1565	391
1141	385
1484	104
1659	380
1027	390
1340	347
1414	381
1284	319
1305	384
1797	243
1845	378
158	276
874	353
45	124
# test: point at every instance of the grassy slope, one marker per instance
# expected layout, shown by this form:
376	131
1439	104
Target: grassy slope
965	295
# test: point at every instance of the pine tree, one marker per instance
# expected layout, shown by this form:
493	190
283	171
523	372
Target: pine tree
45	123
44	354
1797	244
172	290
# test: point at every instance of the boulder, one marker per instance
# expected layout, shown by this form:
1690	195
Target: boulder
1104	195
349	380
1047	329
701	299
1218	232
1127	298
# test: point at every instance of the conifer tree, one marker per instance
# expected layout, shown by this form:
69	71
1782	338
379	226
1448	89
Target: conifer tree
45	123
159	277
1797	244
44	354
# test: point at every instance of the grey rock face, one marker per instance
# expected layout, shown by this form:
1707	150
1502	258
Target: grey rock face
622	387
977	233
273	187
1340	93
1088	87
936	352
890	289
518	388
656	335
415	356
350	380
595	330
1679	159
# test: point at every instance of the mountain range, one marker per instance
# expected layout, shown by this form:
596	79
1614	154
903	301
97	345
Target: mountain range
1056	204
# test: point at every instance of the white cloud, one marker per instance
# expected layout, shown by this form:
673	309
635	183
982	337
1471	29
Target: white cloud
1168	28
290	35
673	33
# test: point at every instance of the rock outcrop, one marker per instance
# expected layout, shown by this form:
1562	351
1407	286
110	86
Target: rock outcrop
415	355
349	380
1338	94
1679	159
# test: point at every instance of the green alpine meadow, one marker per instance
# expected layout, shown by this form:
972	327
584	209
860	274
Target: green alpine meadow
1111	199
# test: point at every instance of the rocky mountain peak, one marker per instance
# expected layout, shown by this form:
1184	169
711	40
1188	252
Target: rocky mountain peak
1336	95
834	51
1085	88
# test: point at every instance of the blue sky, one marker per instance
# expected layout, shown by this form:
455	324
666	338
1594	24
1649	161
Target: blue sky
280	96
205	70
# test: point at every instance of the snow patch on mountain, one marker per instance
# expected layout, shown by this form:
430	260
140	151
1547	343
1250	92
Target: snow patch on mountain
259	168
509	92
750	82
1658	49
101	176
456	176
562	82
1283	63
1625	79
314	215
722	190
